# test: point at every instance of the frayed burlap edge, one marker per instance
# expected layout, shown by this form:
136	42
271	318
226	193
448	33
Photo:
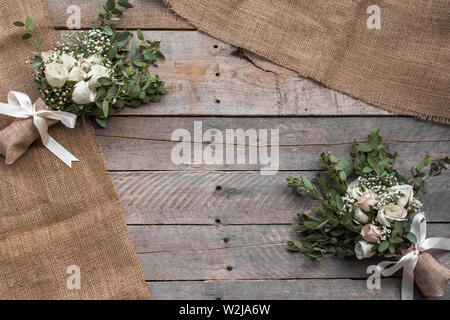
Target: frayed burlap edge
31	247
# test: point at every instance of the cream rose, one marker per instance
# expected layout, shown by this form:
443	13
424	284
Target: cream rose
361	216
47	56
97	72
76	74
364	250
353	189
68	61
407	192
56	74
391	212
371	233
83	94
94	59
367	199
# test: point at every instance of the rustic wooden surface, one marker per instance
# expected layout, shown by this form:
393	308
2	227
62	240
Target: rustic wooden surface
219	231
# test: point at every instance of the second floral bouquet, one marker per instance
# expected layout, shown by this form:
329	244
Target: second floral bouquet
376	214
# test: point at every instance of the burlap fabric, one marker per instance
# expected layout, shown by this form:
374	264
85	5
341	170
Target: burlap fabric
51	216
16	138
430	276
403	67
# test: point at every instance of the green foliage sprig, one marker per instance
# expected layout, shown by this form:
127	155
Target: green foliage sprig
419	178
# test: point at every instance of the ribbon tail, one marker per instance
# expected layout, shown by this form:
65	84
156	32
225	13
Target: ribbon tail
436	243
59	151
408	279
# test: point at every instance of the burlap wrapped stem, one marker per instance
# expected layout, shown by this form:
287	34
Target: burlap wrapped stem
16	138
430	276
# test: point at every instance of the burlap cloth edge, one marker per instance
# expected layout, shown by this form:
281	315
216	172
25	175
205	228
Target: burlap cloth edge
390	108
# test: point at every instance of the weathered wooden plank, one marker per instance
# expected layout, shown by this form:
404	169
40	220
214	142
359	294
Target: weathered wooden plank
231	197
293	130
207	77
253	263
126	154
174	238
146	14
313	289
144	143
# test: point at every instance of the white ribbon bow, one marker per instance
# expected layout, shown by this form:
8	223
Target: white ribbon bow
408	261
19	106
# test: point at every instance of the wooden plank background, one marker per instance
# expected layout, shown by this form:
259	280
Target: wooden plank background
219	231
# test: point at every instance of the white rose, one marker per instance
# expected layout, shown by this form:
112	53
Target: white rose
353	189
407	192
76	74
96	73
56	74
83	94
363	249
361	216
391	212
94	59
68	61
48	55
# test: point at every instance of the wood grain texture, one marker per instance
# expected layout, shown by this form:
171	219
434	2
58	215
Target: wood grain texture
201	72
177	238
242	198
194	224
258	262
144	143
313	289
146	14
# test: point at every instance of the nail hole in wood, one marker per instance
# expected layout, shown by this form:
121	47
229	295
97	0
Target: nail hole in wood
215	46
218	188
217	101
217	220
229	268
217	74
226	240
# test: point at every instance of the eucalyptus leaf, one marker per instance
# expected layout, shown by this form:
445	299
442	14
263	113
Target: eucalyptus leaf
110	5
105	107
383	246
29	23
140	35
308	185
411	237
124	4
365	148
105	81
311	225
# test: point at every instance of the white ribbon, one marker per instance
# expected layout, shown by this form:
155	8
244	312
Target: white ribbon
408	261
19	106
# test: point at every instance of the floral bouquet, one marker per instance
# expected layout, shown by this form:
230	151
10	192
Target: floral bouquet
376	214
94	74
